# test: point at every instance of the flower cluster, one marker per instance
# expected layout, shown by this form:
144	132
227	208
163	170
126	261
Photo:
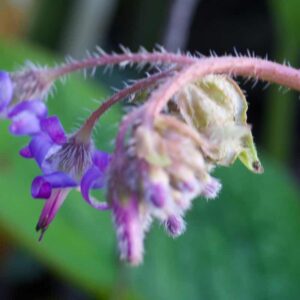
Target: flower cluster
66	162
191	117
164	166
157	175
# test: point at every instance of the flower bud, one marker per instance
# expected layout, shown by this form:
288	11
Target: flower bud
157	192
211	188
174	225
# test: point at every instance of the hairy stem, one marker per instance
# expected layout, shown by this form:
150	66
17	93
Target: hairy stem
126	58
236	66
142	84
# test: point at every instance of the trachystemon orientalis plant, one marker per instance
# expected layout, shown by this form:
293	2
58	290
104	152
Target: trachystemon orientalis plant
191	117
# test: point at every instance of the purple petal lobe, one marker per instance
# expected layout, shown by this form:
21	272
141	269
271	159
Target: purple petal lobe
25	152
54	129
35	107
40	188
42	185
25	123
101	160
93	178
60	180
39	147
6	90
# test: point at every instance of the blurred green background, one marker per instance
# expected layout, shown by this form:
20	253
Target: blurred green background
244	245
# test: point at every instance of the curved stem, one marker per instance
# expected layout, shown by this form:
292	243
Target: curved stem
236	66
126	58
142	84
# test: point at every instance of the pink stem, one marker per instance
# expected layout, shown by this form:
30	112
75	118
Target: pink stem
106	59
122	94
236	66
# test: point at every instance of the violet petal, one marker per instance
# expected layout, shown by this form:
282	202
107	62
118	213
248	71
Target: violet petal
101	160
42	185
25	152
36	107
93	178
53	127
39	147
40	188
25	123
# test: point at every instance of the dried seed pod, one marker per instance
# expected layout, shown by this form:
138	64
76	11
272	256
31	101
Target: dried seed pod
217	108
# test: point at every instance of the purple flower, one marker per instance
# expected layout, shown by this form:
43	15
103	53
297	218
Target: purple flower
65	162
